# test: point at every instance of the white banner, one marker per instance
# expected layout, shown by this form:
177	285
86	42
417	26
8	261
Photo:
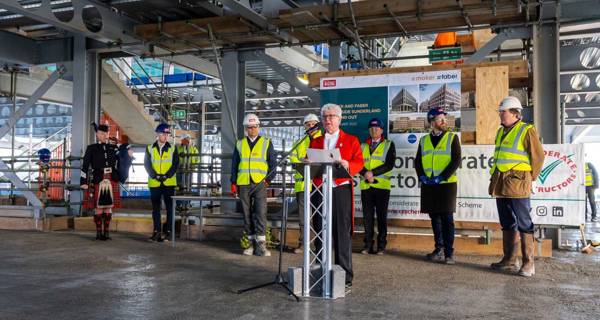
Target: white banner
559	197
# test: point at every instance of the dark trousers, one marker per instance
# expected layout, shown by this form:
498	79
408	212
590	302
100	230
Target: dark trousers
375	201
442	225
591	197
156	195
514	214
341	225
254	205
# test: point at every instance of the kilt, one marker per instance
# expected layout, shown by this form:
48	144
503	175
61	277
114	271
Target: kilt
90	200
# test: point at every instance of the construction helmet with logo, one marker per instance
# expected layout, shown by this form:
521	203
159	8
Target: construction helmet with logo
44	155
163	128
310	117
251	120
510	102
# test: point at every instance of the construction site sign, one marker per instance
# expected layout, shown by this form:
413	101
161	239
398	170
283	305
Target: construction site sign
178	114
445	54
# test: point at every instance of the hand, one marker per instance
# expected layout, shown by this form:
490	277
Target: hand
436	180
424	179
344	163
369	176
234	189
84	187
266	183
161	178
533	186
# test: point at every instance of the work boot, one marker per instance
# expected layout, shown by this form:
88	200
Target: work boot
156	237
106	235
528	268
437	255
261	249
99	235
167	236
510	247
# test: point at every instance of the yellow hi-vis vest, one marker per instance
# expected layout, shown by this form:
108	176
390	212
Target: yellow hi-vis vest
589	179
296	157
161	164
435	160
253	162
188	155
374	160
510	153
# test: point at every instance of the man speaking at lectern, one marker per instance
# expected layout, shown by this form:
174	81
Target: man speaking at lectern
343	195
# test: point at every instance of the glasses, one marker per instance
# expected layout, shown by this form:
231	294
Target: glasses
329	116
251	127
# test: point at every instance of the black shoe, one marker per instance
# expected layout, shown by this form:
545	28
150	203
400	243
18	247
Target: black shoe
155	237
99	236
436	255
106	236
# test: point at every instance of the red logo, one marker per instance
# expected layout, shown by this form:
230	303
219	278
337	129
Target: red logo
329	83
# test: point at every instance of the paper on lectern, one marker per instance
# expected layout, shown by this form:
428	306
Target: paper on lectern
320	155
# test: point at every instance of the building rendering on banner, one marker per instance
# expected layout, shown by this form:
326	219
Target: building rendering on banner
444	97
404	102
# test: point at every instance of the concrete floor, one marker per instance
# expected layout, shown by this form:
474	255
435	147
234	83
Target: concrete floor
67	275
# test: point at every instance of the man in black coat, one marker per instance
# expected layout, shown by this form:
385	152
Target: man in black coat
438	158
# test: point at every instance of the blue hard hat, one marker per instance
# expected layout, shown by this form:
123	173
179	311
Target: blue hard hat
44	155
433	112
163	128
375	122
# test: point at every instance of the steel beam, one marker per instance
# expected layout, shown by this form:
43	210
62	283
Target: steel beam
335	55
546	76
494	43
116	28
288	75
233	76
86	108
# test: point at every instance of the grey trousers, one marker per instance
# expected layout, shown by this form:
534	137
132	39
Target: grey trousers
300	202
254	205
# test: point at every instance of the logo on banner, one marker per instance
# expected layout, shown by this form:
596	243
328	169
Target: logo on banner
329	83
412	138
559	174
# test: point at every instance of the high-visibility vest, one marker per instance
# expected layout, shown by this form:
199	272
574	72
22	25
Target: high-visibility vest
253	162
589	178
435	160
161	164
188	155
374	160
296	157
510	153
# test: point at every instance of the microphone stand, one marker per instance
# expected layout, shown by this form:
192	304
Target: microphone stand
279	279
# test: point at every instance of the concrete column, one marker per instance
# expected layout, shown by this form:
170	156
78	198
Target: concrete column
546	77
234	75
335	51
86	105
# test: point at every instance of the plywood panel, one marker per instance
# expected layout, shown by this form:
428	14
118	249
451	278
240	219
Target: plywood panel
491	86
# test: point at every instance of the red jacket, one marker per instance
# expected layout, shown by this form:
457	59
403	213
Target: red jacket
350	151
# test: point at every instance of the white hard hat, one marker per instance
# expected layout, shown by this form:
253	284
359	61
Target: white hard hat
185	136
510	102
251	120
311	117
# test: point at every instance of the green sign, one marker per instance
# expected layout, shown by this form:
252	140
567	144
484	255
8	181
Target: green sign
445	54
178	114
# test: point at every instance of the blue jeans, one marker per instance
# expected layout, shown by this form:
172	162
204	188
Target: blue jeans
514	214
442	225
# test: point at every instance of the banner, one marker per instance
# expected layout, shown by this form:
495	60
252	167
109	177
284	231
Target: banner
559	197
401	101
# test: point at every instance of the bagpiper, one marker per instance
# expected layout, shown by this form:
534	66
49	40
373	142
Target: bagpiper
100	180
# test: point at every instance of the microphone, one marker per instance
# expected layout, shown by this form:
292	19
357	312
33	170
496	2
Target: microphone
314	128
